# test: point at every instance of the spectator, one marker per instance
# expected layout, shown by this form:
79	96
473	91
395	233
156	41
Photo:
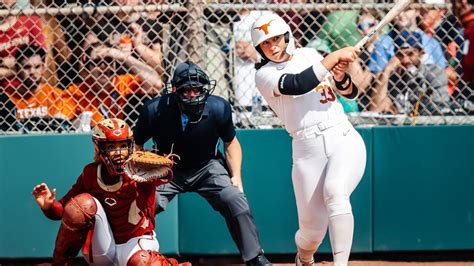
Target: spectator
466	15
408	86
104	92
132	33
362	76
465	12
385	48
38	106
444	27
247	98
69	39
16	31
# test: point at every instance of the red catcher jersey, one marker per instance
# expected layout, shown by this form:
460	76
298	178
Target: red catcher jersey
23	30
129	206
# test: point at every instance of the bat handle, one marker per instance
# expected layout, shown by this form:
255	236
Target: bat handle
366	39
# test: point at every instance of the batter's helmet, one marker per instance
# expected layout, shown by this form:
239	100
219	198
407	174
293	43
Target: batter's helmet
268	26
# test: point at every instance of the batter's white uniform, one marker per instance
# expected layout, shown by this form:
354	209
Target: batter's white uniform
329	155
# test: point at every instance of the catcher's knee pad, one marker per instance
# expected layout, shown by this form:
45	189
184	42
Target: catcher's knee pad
78	218
79	212
309	239
232	200
147	257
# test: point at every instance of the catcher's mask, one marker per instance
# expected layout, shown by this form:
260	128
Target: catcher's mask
110	130
190	76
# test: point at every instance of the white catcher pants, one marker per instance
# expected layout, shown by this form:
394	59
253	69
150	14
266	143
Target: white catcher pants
104	249
327	166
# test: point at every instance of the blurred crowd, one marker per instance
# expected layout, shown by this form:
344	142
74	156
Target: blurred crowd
65	71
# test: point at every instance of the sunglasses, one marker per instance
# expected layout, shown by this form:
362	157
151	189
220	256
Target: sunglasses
367	24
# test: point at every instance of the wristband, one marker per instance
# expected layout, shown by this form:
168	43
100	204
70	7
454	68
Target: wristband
340	84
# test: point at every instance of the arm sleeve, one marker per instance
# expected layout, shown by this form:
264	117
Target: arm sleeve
142	131
271	83
303	82
226	128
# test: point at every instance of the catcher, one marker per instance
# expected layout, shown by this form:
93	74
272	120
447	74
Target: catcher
109	211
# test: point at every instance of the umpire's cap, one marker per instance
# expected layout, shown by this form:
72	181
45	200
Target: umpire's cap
188	74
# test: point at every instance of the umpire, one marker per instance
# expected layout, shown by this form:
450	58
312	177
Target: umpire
189	122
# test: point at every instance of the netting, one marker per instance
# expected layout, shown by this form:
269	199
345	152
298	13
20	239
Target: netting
68	64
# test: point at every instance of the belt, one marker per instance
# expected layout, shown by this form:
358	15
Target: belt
319	127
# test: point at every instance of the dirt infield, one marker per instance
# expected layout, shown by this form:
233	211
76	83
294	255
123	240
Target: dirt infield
383	263
438	258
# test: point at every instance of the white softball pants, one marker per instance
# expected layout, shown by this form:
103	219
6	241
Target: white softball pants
327	166
106	252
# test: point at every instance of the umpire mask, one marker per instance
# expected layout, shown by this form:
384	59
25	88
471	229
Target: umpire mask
188	76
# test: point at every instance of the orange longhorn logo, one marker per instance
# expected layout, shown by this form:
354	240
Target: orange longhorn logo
264	27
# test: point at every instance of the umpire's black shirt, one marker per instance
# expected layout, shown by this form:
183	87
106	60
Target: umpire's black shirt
160	119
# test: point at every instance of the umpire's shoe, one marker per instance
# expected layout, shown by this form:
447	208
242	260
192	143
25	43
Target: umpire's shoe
260	260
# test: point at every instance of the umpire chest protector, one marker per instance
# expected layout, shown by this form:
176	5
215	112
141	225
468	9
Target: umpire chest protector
197	143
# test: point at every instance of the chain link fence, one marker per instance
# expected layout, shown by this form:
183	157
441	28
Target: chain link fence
68	64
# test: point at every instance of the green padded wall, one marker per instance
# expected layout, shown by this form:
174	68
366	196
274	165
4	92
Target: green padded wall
416	193
267	183
25	162
423	188
57	160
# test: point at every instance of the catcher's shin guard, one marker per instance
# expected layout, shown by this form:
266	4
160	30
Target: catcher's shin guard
78	218
150	258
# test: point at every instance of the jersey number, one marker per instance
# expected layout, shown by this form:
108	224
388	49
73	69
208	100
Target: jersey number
326	93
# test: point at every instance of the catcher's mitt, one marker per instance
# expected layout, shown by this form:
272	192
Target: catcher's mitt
146	166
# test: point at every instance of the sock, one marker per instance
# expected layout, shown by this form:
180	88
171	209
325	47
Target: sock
341	230
305	255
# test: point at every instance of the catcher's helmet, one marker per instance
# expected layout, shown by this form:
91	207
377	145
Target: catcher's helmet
189	75
109	130
268	26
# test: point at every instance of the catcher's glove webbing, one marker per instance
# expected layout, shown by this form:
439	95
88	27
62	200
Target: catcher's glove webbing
146	166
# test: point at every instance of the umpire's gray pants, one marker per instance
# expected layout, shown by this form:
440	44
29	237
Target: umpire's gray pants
213	183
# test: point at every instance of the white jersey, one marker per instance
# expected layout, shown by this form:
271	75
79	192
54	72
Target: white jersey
299	112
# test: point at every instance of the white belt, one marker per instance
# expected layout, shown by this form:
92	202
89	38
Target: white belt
319	127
